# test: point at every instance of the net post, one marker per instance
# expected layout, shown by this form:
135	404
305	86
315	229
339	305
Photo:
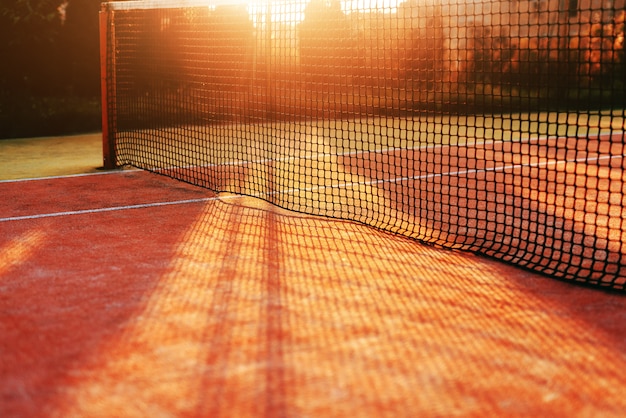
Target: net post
106	84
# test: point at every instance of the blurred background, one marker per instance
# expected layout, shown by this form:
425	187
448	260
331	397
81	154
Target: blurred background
548	55
49	67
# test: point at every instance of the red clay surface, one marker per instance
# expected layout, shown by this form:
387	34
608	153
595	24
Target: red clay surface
554	204
227	306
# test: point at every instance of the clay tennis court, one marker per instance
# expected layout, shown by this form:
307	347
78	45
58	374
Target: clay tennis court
125	293
550	202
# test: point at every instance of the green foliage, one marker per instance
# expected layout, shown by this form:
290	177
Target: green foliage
26	21
51	62
29	29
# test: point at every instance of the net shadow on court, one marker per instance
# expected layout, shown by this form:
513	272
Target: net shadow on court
550	204
227	305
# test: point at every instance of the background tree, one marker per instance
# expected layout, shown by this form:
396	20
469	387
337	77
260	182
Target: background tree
49	77
325	43
78	47
423	45
29	30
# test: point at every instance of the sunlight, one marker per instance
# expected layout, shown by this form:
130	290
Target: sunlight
178	341
19	249
292	11
384	5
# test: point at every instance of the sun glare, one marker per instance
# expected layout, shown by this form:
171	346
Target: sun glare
293	10
20	249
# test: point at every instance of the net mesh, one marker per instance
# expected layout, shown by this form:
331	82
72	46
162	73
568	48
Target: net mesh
490	126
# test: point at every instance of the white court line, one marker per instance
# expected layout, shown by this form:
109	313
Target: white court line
111	209
449	173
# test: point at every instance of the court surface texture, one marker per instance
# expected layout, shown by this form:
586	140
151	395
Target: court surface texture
128	294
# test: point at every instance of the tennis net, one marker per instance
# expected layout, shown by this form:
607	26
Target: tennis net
490	126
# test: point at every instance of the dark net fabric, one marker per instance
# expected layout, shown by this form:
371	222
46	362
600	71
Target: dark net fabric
490	126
